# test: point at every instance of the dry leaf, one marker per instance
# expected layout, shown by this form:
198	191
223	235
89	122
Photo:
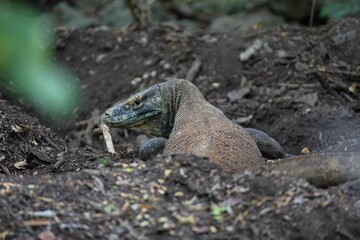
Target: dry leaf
47	235
20	165
7	187
37	222
305	151
353	87
167	173
4	234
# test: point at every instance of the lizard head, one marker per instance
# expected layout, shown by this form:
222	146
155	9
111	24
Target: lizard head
142	110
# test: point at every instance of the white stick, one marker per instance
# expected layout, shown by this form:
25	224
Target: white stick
107	137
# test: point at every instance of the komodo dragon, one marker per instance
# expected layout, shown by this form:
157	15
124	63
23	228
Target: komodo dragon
176	109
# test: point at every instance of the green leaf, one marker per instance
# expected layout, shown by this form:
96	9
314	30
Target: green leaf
339	9
217	211
104	162
109	208
26	64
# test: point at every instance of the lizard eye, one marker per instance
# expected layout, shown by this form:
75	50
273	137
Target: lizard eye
137	103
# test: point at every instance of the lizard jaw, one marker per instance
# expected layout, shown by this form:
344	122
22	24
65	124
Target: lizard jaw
128	120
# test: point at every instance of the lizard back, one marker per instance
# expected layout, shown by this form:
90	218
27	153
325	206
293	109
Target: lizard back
203	130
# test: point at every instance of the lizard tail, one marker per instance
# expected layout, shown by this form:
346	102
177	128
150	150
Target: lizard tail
321	169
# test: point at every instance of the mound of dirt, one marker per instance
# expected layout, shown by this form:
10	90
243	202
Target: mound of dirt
300	85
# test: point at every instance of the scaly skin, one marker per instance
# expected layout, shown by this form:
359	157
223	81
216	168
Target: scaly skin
195	126
177	110
152	111
320	169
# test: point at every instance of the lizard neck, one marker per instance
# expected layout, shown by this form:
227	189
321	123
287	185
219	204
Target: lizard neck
179	97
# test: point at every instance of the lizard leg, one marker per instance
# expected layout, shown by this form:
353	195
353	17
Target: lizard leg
152	147
268	146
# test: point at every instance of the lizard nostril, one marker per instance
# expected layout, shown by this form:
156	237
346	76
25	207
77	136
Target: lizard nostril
106	115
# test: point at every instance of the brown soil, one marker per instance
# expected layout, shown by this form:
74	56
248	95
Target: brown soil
97	195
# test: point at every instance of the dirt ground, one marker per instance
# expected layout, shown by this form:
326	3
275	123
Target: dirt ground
300	86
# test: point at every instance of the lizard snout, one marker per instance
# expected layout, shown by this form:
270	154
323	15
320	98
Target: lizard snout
119	116
106	117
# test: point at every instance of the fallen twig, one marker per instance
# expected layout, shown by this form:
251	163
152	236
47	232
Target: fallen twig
131	230
60	162
107	138
91	122
313	6
322	70
5	169
53	144
327	87
194	70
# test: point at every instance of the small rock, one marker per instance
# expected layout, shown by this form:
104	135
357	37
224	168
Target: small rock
215	84
167	66
100	57
299	66
150	62
257	46
241	120
209	39
146	76
281	53
153	74
309	99
343	37
299	200
119	40
235	95
144	41
136	81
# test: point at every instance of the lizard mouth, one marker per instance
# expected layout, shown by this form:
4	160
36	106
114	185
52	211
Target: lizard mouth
141	119
130	119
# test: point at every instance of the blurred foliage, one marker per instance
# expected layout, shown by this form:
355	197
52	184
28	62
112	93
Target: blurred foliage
26	67
337	9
